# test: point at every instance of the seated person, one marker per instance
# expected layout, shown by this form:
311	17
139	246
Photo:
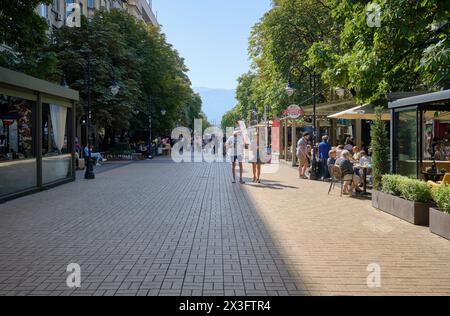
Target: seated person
339	157
438	153
96	156
364	159
356	153
348	173
3	145
332	160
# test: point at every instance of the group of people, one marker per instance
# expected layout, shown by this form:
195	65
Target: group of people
235	150
343	156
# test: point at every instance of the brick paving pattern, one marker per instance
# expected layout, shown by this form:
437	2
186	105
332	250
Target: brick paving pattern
328	242
158	228
143	229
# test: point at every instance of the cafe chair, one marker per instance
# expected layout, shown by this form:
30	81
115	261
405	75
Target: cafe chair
445	181
337	177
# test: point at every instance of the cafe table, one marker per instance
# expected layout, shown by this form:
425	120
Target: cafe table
365	171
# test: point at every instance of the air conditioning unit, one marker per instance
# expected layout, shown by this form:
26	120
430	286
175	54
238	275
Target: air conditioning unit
58	17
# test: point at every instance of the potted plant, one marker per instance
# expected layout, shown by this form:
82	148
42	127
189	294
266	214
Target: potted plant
380	148
408	199
440	216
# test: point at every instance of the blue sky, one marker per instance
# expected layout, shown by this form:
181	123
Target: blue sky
212	36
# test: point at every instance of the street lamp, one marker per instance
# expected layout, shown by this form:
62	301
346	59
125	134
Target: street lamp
314	82
114	88
289	89
150	143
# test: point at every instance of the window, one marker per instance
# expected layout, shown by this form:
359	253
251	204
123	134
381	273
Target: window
406	142
43	11
55	5
90	4
56	160
17	155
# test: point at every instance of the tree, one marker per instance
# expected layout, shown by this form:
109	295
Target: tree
21	28
151	75
23	31
230	119
409	51
380	148
111	59
279	46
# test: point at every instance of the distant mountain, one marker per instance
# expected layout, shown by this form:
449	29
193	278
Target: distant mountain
216	102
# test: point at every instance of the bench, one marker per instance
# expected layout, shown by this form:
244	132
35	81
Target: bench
137	156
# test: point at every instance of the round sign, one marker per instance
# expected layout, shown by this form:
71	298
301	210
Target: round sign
294	111
8	122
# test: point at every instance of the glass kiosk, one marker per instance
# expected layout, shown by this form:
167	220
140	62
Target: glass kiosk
420	141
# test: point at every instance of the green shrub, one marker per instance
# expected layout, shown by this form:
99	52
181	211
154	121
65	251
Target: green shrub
415	190
441	196
391	184
380	148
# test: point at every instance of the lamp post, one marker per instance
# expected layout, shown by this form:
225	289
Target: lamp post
114	88
314	79
314	82
87	67
150	143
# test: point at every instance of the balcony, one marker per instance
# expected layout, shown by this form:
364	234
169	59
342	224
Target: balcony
147	13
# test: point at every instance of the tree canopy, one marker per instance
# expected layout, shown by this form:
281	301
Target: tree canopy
408	50
150	73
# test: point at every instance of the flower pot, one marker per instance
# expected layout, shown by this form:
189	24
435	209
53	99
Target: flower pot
413	212
440	223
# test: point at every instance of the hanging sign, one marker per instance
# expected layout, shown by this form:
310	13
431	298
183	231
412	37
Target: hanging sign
294	111
8	122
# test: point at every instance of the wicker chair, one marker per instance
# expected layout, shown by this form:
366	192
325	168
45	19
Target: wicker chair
336	177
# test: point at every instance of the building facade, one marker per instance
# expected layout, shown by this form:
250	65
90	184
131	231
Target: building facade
56	12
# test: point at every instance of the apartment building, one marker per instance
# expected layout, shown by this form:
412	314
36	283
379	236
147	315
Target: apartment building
56	12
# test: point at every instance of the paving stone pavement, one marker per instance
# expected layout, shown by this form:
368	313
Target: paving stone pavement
328	242
159	228
142	229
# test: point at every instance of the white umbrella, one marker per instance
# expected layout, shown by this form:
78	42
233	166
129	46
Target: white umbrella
361	112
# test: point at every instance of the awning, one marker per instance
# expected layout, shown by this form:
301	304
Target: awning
441	96
362	112
437	115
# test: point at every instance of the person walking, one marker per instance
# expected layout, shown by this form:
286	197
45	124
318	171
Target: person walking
235	149
256	161
324	150
302	155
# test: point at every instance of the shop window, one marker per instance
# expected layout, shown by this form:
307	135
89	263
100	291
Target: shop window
407	143
17	154
56	156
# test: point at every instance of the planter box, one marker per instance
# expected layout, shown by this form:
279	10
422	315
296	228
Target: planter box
440	223
413	212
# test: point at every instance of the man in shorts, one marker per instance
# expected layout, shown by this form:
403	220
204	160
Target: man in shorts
302	152
235	148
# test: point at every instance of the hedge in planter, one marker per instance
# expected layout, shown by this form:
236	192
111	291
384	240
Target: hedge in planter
440	218
406	198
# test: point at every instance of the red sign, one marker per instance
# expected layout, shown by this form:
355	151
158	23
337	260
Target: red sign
294	111
8	122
